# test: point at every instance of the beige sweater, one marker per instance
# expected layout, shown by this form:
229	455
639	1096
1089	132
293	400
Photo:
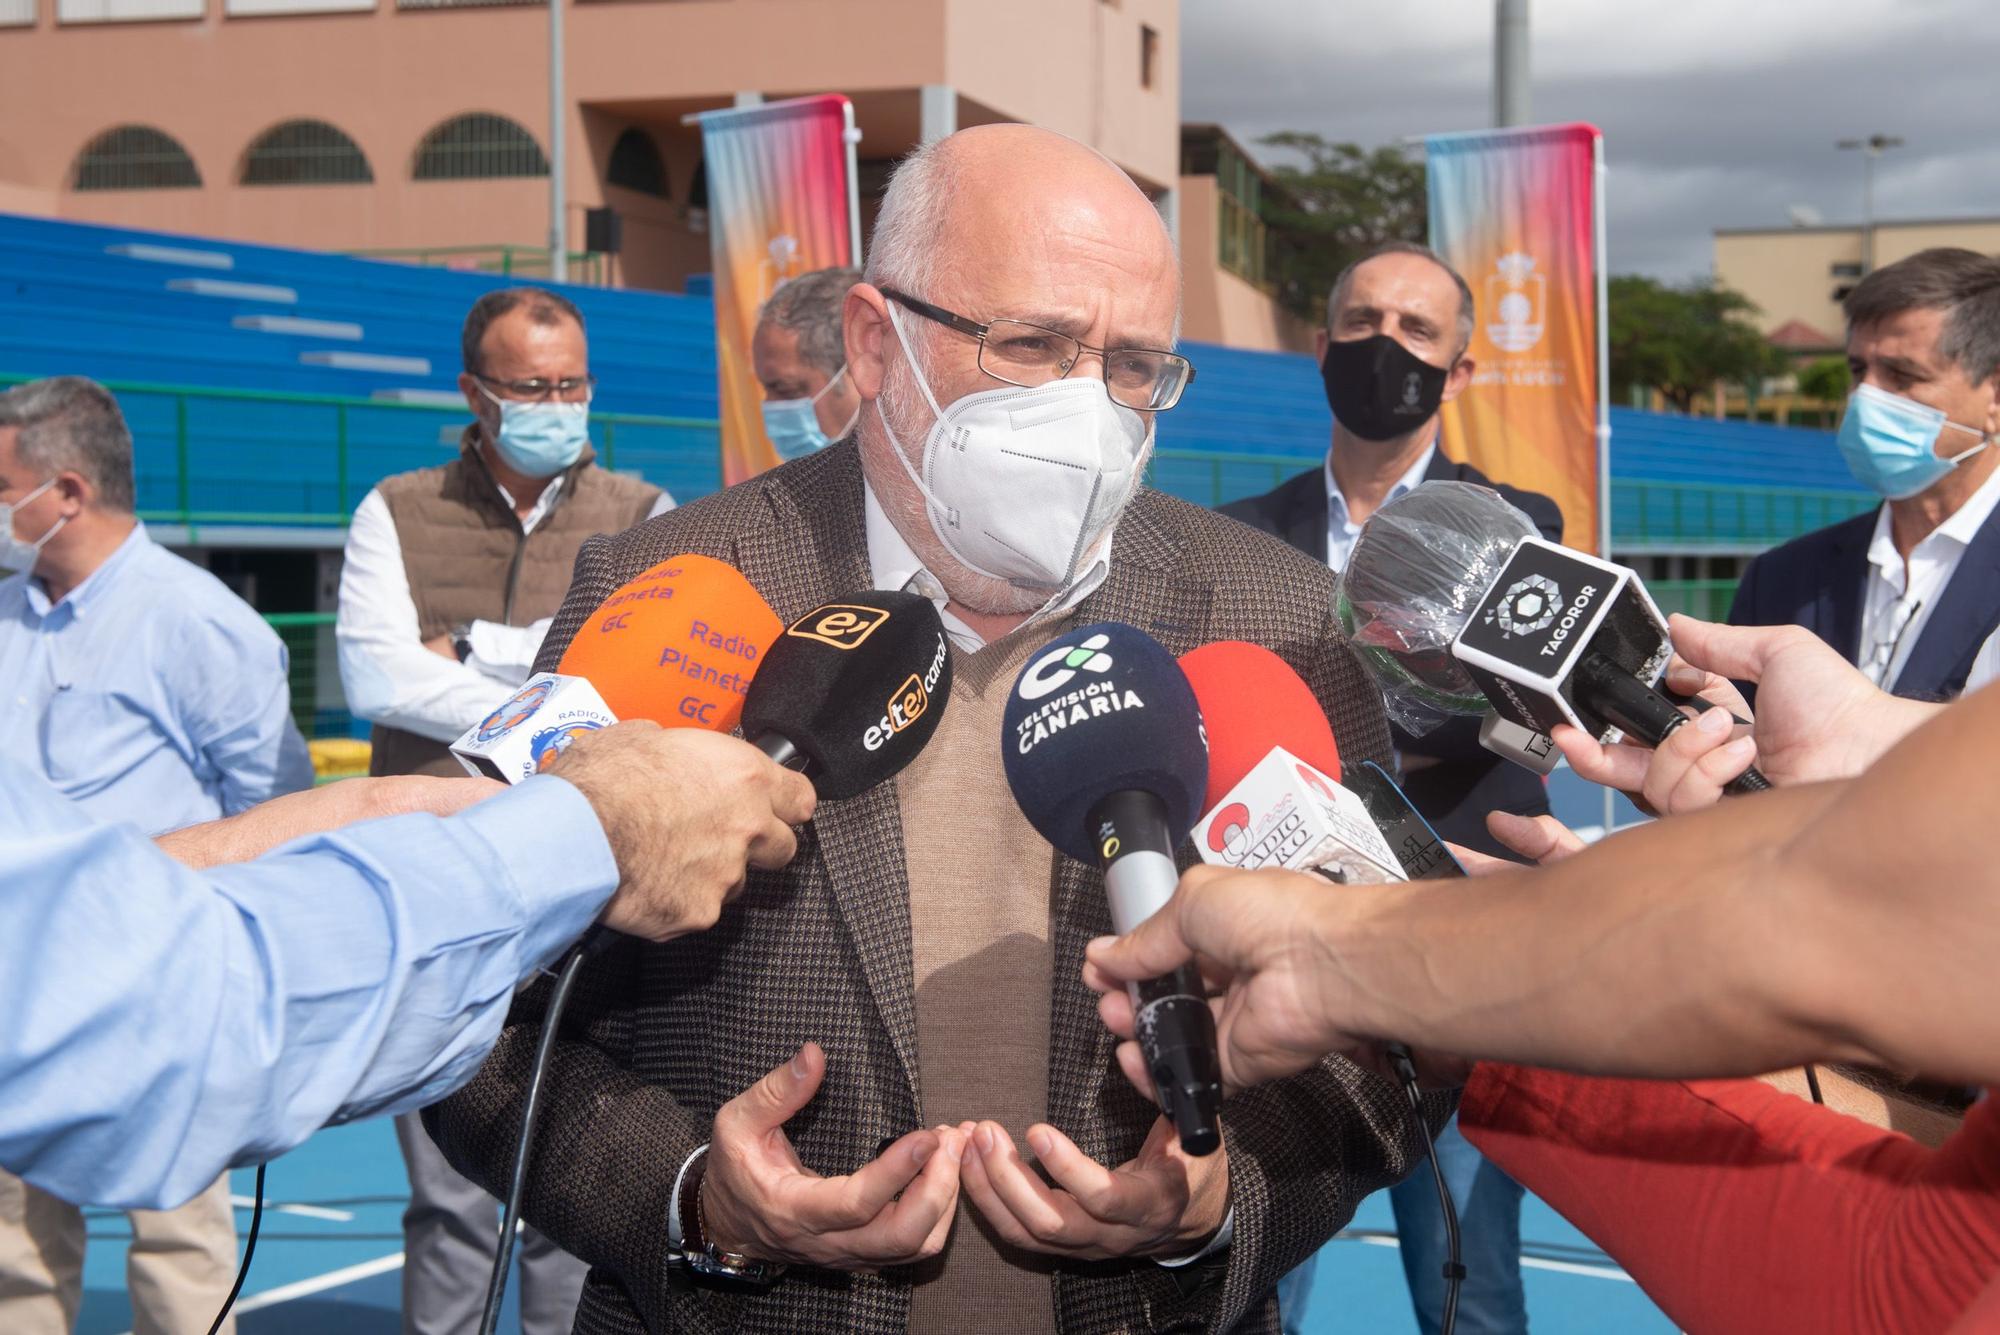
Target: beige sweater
979	922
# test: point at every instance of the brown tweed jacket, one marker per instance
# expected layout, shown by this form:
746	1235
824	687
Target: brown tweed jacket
657	1037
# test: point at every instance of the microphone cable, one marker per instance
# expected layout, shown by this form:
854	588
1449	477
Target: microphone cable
510	1218
1454	1258
249	1250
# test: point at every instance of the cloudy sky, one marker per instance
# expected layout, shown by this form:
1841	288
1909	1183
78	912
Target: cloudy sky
1716	113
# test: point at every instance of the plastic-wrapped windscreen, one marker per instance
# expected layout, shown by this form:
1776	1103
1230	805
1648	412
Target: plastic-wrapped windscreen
1417	572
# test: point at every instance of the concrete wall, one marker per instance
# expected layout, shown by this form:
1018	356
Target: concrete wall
1217	306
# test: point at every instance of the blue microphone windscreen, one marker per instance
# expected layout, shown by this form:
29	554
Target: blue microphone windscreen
1100	710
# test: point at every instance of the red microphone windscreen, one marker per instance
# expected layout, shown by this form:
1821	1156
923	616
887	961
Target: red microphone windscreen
678	645
1251	700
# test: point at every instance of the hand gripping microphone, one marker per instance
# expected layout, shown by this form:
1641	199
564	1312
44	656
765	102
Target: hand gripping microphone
1455	606
1103	748
1274	798
1271	752
852	690
678	645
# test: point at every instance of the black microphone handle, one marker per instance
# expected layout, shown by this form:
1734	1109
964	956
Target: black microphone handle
1624	701
1175	1028
781	749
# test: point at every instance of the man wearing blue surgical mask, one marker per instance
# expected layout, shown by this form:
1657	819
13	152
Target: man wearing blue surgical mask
809	402
1910	590
450	577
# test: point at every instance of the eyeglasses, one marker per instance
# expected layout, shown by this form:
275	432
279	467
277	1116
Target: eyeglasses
569	389
1029	355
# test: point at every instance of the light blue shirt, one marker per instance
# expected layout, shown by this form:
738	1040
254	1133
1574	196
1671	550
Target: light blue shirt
1341	532
151	693
162	1024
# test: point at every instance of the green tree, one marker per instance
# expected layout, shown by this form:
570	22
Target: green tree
1682	340
1826	379
1342	202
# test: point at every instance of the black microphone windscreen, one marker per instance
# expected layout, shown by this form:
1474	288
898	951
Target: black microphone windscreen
1100	710
1418	571
857	685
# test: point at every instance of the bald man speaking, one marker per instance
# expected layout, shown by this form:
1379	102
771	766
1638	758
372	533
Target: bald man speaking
876	1097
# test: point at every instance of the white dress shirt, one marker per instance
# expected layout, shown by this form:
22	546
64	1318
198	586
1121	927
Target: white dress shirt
389	677
1901	596
892	564
1342	532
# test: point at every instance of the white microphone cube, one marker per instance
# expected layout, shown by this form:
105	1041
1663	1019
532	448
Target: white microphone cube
1284	813
536	724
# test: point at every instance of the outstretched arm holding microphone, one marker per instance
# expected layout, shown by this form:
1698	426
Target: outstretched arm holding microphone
1718	944
348	973
1818	718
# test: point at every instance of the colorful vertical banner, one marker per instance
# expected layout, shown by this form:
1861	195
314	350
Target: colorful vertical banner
1520	214
781	202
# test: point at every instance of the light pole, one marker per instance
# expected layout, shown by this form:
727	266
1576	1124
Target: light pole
558	204
1510	63
1871	148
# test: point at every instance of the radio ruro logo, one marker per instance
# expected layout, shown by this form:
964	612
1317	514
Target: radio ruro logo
1528	605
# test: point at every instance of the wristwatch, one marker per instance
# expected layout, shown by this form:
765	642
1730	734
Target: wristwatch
701	1256
461	641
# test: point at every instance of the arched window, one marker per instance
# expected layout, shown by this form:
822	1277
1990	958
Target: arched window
636	164
476	147
304	153
135	157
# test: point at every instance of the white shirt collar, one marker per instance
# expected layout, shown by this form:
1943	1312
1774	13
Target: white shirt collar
1336	500
1956	532
893	564
541	507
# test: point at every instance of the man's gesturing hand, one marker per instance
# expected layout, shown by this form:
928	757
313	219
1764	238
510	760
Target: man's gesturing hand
759	1201
1163	1203
686	812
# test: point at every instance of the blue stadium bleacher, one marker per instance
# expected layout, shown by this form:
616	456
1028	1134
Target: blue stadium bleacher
375	345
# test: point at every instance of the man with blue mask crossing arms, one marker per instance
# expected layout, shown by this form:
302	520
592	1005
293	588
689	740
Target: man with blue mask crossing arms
835	1115
797	352
1910	590
450	576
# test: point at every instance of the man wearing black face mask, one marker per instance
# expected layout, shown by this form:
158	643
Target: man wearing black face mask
1395	349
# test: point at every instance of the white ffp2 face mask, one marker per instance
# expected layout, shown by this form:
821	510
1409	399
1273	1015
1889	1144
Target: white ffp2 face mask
1022	484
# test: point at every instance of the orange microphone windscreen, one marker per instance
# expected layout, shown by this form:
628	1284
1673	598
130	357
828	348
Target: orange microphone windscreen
678	645
1251	700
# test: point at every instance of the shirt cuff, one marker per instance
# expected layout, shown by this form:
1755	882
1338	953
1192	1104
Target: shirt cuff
676	1235
1223	1237
545	833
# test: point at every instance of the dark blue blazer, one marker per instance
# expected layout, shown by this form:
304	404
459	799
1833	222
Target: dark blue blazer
1820	581
1467	780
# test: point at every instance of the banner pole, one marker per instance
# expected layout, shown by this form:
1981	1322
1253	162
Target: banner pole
851	136
1603	391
